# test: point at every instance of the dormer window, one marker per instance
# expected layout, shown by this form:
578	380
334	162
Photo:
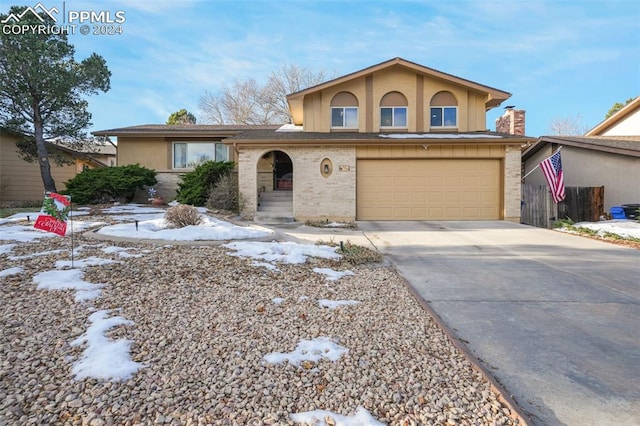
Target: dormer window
344	111
393	110
444	110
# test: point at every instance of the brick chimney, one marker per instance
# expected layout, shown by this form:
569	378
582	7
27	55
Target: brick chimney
511	122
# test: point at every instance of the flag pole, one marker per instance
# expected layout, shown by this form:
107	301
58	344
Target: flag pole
71	220
538	165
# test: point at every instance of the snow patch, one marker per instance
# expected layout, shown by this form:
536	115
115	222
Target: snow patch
284	252
68	279
104	358
333	304
11	271
308	350
318	418
331	274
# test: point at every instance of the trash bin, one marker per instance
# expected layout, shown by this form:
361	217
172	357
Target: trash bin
617	212
631	211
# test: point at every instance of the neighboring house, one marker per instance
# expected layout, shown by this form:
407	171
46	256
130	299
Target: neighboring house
608	155
395	141
21	180
625	122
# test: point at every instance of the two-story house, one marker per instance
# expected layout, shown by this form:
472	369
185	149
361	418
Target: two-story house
395	141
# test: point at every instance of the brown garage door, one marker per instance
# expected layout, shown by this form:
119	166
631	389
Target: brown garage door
442	189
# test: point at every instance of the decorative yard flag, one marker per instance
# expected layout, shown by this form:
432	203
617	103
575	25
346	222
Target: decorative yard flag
54	213
552	169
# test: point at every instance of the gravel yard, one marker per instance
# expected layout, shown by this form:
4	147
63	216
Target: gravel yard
202	322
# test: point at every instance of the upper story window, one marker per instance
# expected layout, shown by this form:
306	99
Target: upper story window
444	110
188	155
344	111
393	110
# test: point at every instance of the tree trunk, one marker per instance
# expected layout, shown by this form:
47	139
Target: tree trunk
43	154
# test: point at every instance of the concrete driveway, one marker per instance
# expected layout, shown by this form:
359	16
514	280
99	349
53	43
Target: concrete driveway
554	317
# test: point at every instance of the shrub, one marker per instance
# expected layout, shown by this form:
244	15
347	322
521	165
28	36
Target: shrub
195	186
107	184
182	215
225	195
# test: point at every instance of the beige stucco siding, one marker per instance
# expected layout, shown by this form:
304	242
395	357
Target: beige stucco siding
415	87
21	180
152	153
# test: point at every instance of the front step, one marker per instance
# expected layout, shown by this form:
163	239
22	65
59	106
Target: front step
272	218
275	207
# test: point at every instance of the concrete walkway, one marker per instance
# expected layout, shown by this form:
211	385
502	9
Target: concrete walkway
554	317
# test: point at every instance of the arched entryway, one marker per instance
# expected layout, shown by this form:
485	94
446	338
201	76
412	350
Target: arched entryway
275	185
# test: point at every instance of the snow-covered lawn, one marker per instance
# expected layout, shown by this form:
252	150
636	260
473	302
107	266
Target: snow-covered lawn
109	359
622	228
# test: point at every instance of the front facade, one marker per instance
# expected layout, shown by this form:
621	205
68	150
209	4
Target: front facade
395	141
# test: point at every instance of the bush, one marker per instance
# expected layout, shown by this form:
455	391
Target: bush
108	184
182	215
225	194
195	186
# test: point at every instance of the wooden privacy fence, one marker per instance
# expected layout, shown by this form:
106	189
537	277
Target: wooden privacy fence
580	204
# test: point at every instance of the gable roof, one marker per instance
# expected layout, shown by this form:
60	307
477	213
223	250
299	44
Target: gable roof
622	145
495	96
621	114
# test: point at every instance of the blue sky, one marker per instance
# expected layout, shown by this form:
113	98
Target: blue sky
559	59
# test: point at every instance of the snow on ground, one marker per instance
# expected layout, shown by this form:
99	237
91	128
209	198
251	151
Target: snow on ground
22	234
333	304
308	350
83	263
623	228
318	418
331	274
6	248
121	251
278	300
38	254
210	229
11	271
132	208
285	252
68	279
32	216
104	358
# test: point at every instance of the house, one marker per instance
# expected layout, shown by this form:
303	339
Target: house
21	181
394	141
607	155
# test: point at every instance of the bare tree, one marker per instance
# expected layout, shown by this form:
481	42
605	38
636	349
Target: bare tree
568	126
246	102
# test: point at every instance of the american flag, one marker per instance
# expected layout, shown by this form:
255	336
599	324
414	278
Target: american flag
552	169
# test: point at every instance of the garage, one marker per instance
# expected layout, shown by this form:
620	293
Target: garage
428	189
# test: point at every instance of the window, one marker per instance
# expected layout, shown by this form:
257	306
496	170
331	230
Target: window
393	110
344	111
444	116
444	110
188	155
393	117
344	117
